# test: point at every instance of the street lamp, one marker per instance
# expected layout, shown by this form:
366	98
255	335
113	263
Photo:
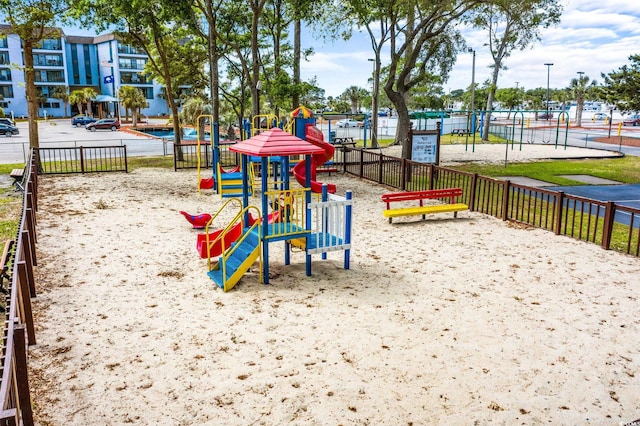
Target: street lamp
548	72
374	105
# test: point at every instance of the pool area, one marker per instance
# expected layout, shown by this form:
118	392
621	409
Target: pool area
167	133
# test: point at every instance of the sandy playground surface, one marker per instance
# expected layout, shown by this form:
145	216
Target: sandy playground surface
443	321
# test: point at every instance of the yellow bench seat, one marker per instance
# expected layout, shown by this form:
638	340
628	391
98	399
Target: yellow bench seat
424	210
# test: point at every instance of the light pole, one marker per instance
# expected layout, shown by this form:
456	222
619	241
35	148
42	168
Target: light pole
374	104
473	91
549	65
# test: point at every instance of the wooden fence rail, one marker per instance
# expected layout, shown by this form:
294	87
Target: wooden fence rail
19	329
82	159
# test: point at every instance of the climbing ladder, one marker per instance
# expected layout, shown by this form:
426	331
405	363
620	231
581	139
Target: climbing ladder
230	184
236	260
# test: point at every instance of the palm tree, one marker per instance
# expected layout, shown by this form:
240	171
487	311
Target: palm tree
194	107
355	95
132	99
579	87
89	95
77	98
62	93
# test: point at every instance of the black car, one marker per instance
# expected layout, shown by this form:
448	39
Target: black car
545	116
7	121
82	120
8	130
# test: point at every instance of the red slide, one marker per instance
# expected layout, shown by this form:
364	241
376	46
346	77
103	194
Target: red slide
232	235
314	136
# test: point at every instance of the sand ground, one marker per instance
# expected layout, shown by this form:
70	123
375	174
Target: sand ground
442	321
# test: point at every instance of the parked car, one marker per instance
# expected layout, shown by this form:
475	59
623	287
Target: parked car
599	116
632	120
105	124
7	121
361	124
8	130
545	116
347	122
82	120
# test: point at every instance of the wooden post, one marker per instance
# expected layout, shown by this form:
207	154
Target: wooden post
607	230
25	293
22	376
505	199
472	192
559	202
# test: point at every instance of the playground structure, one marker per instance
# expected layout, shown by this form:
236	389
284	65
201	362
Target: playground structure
311	218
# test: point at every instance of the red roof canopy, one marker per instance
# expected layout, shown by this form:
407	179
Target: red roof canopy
275	142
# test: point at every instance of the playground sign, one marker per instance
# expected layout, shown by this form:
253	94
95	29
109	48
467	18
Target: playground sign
425	146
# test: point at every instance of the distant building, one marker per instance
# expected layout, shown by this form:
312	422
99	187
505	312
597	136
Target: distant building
102	63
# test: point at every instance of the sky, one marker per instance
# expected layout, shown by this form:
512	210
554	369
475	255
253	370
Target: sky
594	37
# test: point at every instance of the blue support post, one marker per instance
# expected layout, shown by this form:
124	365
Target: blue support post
347	236
308	210
325	222
215	154
285	180
265	223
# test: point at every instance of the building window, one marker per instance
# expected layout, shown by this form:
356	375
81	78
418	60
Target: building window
3	42
47	60
50	76
6	91
148	92
87	64
133	78
5	74
131	63
74	64
50	104
4	105
129	50
49	44
4	58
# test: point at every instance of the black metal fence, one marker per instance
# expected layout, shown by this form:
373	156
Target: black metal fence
82	159
185	156
608	224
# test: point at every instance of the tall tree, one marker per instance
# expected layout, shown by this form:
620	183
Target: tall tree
622	86
512	25
32	21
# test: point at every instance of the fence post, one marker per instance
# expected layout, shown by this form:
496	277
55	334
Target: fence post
432	176
26	308
505	199
607	230
472	192
559	202
403	175
126	161
361	172
175	159
22	376
28	258
380	165
82	159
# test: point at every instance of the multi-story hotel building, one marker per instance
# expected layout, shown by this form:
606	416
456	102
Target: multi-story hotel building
102	63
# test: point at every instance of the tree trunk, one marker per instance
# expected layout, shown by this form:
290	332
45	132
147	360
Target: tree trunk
295	100
214	74
398	99
32	95
255	59
491	96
